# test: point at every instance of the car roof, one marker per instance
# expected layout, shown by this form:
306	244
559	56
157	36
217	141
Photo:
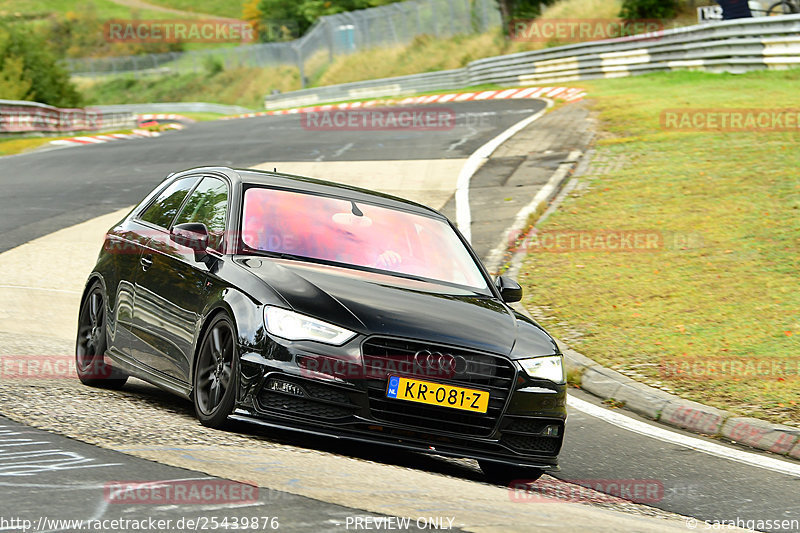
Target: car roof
318	186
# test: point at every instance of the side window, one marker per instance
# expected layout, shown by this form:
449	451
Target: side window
163	210
208	204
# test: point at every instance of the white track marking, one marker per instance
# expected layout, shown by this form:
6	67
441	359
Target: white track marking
505	94
486	95
343	149
474	162
494	259
525	92
665	435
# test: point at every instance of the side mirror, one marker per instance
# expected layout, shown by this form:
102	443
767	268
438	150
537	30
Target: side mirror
510	291
193	235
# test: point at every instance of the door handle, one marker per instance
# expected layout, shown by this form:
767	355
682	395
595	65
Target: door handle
146	261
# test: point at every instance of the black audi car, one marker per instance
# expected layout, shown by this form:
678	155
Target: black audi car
302	304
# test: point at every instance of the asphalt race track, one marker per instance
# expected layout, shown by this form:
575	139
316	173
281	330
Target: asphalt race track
53	189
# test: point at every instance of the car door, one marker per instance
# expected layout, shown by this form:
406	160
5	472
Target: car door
119	263
170	289
154	219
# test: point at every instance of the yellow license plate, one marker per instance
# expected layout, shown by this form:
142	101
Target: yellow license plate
415	390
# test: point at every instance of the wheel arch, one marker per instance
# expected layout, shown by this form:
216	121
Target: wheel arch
241	310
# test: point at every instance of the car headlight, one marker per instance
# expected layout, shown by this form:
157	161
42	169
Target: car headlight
550	368
296	327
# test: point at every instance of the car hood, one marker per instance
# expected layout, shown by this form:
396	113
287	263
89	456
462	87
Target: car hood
378	304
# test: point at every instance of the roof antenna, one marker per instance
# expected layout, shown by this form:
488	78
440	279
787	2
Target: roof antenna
356	211
275	169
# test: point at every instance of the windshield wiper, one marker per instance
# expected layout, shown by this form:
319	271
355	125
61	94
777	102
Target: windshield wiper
282	255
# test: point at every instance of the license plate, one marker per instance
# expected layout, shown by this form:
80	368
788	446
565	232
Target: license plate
415	390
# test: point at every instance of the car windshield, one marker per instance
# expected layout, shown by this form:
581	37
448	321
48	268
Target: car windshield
357	234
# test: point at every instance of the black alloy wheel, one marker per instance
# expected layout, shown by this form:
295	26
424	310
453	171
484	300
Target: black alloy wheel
214	391
91	344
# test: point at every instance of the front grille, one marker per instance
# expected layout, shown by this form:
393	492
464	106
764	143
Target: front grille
384	357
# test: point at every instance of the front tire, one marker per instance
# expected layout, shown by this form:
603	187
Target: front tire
504	474
91	344
215	382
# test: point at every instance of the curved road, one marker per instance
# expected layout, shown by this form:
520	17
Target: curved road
53	189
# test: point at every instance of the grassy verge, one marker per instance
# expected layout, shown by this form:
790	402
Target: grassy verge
18	145
713	313
240	86
13	145
199	117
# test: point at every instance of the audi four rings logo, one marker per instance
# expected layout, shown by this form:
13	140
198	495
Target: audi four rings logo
449	364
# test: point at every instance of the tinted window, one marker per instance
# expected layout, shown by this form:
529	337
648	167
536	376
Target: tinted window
166	206
208	204
361	235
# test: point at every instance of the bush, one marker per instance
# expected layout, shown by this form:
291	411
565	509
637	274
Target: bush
213	65
648	9
29	71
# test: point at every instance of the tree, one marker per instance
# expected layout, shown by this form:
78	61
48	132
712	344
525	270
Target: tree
511	10
298	16
13	83
30	71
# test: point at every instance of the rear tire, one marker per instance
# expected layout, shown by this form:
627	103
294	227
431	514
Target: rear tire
91	344
504	474
215	374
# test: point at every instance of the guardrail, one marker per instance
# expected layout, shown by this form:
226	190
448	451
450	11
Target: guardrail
20	116
730	46
174	107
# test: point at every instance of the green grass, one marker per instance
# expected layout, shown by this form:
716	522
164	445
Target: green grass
239	86
724	284
197	116
18	145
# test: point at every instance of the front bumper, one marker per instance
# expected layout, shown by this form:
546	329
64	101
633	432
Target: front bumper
524	425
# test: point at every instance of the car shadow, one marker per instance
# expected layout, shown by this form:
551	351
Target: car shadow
467	469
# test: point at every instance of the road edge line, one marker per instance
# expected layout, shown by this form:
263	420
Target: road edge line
476	160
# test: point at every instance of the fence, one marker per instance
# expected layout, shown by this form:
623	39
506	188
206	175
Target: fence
728	46
344	33
19	117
